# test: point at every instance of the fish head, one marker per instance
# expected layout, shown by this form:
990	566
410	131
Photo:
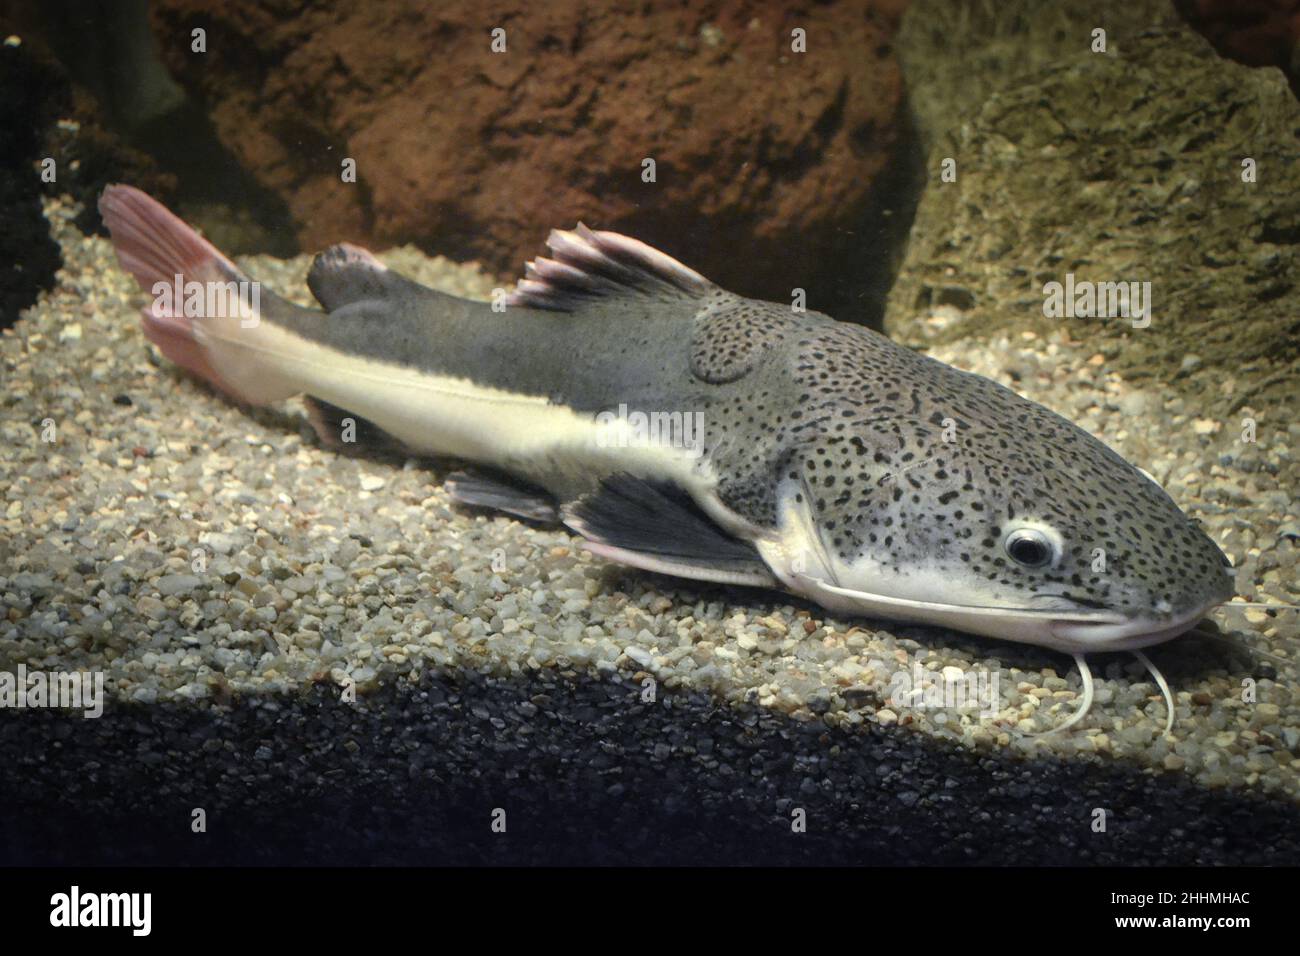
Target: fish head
951	500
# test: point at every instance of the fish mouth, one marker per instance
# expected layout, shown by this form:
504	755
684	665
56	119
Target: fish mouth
1077	633
1069	628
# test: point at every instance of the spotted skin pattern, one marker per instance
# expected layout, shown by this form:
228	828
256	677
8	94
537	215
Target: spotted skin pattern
831	450
899	455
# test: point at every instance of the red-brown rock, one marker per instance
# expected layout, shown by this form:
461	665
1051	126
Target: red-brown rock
765	158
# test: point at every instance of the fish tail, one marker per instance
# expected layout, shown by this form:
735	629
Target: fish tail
205	312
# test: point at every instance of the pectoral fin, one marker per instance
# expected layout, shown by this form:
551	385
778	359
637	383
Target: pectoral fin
658	527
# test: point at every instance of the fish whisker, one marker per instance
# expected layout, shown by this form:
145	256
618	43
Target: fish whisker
1259	604
1164	688
1086	674
1054	614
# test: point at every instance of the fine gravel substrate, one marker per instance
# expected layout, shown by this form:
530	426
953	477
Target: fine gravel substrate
237	584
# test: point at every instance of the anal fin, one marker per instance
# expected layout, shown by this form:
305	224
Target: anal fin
341	430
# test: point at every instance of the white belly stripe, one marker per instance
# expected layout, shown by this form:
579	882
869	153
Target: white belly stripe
433	413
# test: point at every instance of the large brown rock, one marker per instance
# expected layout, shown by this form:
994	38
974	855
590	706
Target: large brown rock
766	159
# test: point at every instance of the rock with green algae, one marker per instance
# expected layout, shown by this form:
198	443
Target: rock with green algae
1132	164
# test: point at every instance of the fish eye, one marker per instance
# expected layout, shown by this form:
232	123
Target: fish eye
1030	547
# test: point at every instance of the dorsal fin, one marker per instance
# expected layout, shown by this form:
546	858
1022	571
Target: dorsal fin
345	274
587	265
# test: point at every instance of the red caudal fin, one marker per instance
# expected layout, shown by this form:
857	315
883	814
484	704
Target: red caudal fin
203	312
